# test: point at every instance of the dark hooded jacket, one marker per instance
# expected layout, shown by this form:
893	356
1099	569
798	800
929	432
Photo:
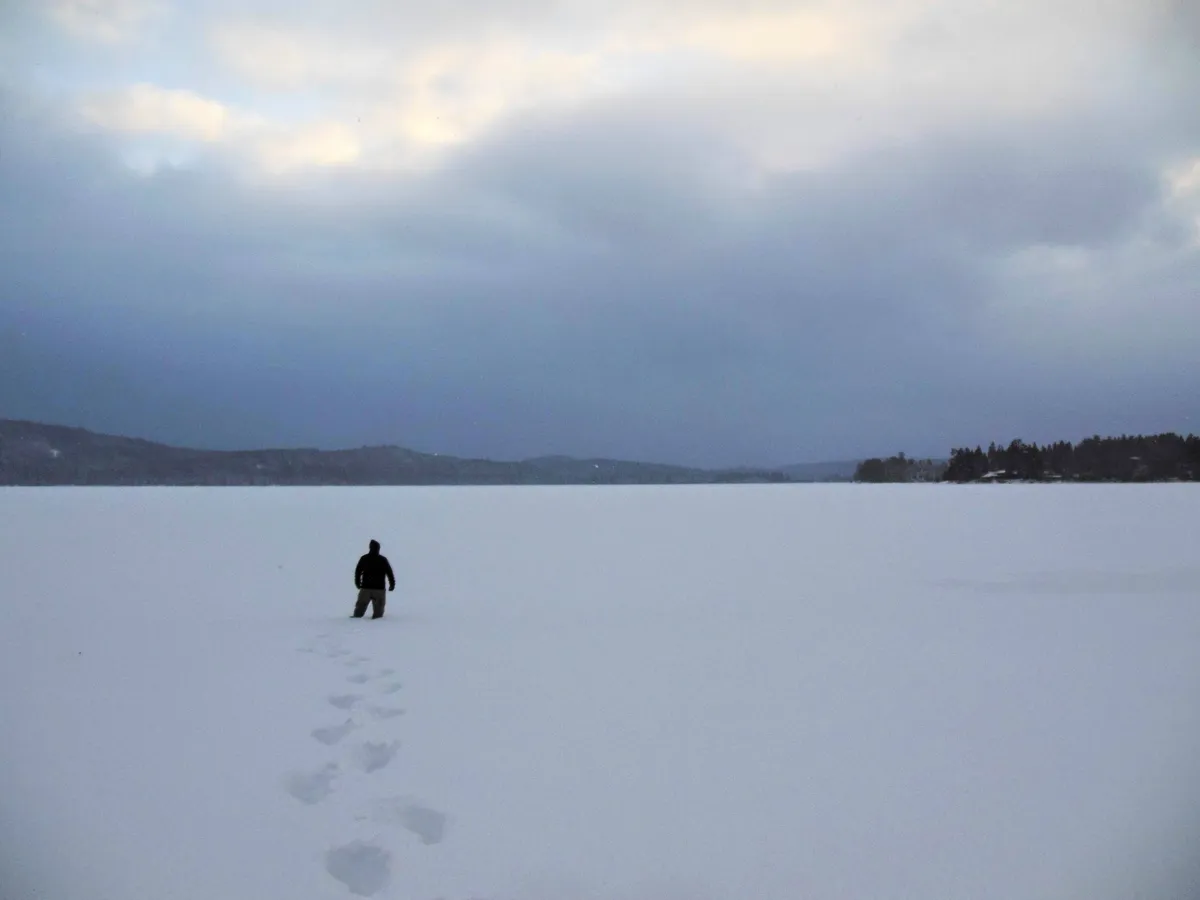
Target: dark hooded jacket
373	569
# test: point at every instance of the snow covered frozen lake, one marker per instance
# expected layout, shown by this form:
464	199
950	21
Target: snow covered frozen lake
676	693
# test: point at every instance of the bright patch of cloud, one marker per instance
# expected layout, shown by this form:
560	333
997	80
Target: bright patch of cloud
320	145
792	87
771	37
397	106
451	93
153	113
149	109
1183	183
105	21
289	59
1184	180
796	86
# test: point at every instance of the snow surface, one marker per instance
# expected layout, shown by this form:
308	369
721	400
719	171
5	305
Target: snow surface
681	693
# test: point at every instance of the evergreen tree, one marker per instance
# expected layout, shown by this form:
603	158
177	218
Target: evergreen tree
1159	457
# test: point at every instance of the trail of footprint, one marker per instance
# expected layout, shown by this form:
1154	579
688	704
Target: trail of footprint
312	787
385	712
374	756
334	733
363	868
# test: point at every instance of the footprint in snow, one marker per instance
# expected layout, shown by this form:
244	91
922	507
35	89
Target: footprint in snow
384	673
374	756
312	787
334	733
391	688
386	712
426	823
360	678
363	868
344	701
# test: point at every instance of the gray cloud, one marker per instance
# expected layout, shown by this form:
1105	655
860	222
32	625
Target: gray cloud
603	280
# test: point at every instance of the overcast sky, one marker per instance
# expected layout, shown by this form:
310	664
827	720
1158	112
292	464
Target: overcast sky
701	231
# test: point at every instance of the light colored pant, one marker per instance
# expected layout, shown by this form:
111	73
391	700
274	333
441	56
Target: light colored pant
377	597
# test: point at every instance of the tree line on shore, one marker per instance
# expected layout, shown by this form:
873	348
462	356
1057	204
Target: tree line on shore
1161	457
899	468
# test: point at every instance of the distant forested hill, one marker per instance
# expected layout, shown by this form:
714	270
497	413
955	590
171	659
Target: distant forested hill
36	454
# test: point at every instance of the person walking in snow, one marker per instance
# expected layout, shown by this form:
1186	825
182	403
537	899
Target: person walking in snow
373	569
